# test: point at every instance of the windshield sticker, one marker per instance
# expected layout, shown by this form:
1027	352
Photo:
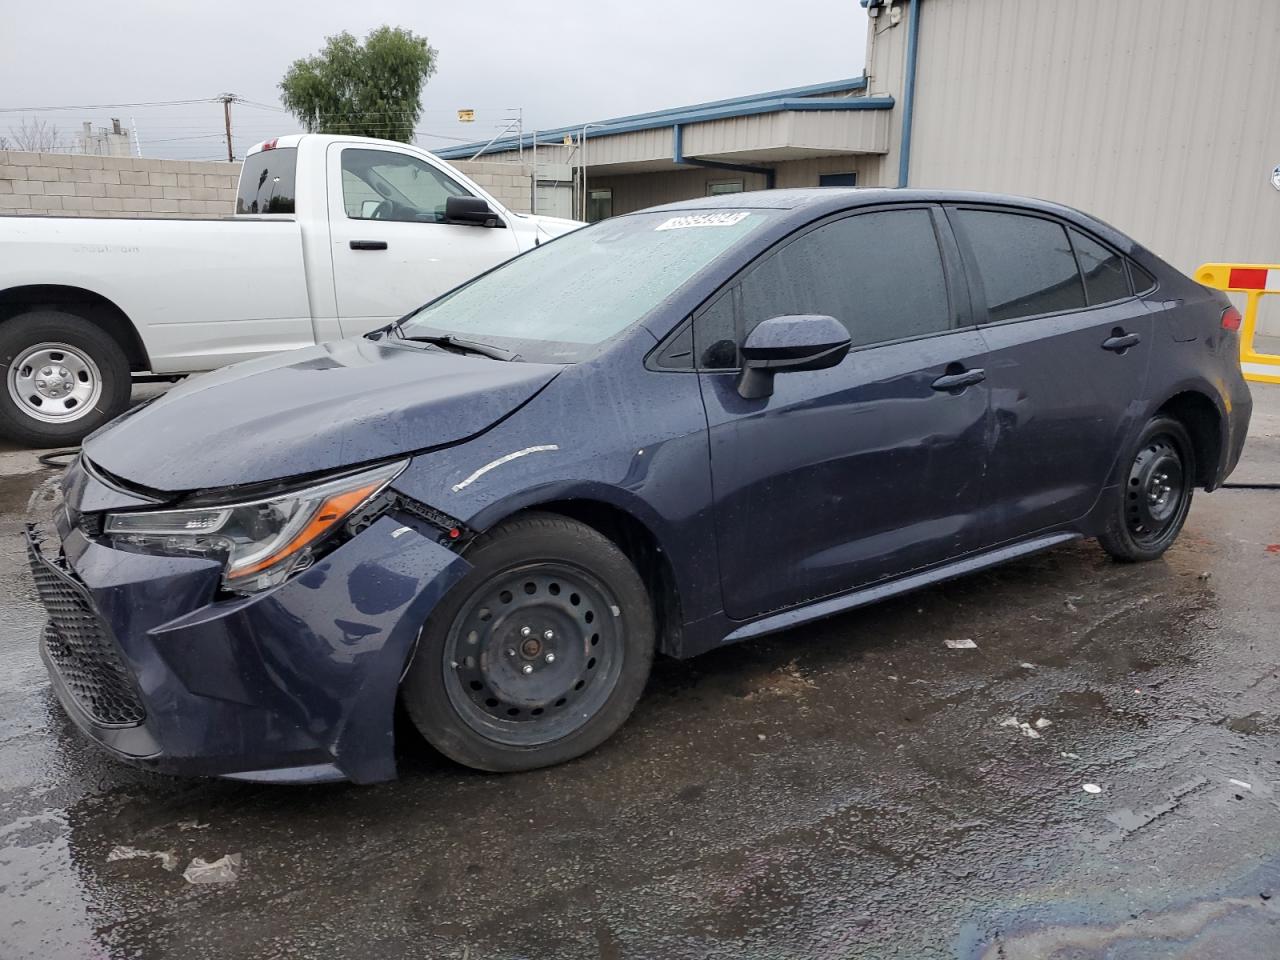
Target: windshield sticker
703	220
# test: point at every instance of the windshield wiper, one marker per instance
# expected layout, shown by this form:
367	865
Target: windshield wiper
461	345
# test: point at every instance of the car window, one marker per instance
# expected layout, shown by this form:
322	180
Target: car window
1025	263
715	334
880	274
381	185
1143	282
559	301
1105	278
266	181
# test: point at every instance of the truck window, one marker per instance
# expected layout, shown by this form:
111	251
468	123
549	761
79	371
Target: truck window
381	185
266	181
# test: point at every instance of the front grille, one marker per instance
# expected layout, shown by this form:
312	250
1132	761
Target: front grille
81	648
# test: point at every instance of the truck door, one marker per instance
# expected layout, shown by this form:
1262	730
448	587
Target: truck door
392	250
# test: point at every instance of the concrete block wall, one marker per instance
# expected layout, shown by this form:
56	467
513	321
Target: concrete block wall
64	184
510	183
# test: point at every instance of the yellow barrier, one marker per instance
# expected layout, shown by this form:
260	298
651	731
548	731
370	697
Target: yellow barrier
1255	281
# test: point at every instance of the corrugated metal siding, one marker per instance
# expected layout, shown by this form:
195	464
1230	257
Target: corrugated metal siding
1159	116
735	134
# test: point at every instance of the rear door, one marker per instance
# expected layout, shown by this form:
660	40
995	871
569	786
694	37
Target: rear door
863	471
1069	348
392	250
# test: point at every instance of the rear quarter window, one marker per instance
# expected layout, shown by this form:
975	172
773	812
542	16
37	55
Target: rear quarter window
1105	280
267	182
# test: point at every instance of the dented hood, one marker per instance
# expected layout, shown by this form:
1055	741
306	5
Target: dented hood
311	410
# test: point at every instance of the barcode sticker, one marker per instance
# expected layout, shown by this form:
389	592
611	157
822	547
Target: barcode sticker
703	220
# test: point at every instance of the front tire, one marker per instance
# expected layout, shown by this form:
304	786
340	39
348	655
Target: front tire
1153	500
539	654
64	378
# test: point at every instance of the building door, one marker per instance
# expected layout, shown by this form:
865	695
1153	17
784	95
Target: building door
863	471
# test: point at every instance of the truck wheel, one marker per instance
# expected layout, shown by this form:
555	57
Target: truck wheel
64	378
539	654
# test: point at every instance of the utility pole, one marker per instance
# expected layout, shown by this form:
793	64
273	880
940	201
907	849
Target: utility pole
226	99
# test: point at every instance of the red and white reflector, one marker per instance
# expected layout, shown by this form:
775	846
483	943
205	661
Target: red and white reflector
1254	278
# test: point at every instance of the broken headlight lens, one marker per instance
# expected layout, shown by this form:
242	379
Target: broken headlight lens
259	542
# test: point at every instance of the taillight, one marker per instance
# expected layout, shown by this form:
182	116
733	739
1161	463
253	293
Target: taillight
1231	319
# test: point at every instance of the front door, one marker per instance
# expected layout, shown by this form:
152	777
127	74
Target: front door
392	250
863	471
1069	347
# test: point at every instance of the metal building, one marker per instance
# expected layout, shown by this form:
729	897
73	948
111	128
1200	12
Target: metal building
1160	116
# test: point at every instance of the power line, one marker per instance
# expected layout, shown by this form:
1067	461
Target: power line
107	106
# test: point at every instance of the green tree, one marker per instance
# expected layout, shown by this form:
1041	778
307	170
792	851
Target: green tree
370	89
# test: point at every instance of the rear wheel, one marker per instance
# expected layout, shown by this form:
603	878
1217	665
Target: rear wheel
1156	494
539	654
64	378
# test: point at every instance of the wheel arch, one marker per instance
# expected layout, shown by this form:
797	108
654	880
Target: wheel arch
93	307
634	537
1206	423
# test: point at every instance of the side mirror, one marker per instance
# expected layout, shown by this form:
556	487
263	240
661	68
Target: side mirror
472	211
369	209
781	344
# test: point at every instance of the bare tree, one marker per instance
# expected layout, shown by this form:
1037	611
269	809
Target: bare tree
36	136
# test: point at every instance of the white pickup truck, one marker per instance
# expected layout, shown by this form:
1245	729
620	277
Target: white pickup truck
332	236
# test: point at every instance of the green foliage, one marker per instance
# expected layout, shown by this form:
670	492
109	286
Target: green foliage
370	89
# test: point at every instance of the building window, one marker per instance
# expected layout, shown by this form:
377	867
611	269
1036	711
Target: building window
599	204
717	187
837	180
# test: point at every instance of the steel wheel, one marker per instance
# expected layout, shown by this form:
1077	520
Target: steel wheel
54	383
1157	487
534	653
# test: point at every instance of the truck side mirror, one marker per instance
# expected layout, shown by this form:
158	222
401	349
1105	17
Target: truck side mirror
472	211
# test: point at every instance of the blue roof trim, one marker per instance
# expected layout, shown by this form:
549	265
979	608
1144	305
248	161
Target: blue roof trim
711	110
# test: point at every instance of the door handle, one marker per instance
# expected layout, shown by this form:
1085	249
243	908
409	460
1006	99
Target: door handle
958	381
368	244
1119	342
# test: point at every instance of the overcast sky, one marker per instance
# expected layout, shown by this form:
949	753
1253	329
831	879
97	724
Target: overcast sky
562	63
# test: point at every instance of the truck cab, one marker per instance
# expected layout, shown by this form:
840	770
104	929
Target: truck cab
331	236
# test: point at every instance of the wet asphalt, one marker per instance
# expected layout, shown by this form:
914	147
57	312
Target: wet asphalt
849	789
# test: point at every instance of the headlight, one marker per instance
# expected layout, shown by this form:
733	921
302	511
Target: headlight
259	542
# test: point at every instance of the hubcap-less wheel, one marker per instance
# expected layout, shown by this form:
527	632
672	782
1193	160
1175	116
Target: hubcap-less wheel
54	383
533	653
1156	490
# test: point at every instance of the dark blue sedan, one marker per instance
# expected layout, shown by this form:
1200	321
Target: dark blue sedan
663	433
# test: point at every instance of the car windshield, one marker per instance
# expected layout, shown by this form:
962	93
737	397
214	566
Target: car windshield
559	302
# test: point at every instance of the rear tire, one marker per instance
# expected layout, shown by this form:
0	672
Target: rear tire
1154	496
64	378
539	654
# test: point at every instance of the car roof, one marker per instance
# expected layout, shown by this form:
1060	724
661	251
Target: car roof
819	199
798	205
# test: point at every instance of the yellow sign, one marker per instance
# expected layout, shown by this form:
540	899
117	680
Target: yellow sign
1255	281
466	116
568	140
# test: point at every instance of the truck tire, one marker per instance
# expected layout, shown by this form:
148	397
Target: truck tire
64	377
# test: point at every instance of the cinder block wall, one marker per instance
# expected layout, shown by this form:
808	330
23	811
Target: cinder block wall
73	185
509	183
81	186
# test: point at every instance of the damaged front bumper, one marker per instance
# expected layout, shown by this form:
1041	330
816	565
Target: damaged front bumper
294	684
